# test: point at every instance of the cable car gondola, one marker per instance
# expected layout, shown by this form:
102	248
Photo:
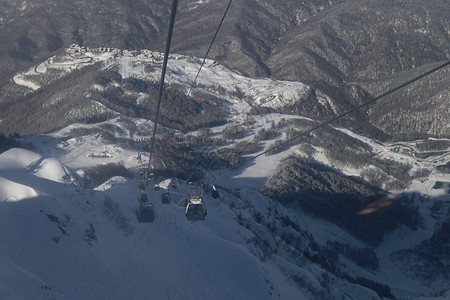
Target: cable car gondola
187	194
195	209
142	185
165	198
214	192
145	212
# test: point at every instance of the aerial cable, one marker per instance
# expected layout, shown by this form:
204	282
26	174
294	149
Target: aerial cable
163	75
209	48
441	66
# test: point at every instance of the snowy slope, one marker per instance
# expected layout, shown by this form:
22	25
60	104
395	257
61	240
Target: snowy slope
62	240
72	242
181	69
67	242
170	258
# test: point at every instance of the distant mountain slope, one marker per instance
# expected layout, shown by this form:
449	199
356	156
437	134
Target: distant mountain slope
360	49
350	50
33	31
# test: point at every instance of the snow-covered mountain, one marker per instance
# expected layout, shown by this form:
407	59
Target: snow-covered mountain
68	228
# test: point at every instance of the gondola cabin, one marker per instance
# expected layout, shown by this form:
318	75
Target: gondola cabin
145	212
165	198
143	198
214	192
195	209
142	185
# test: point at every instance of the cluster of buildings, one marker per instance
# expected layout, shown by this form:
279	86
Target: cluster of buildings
75	51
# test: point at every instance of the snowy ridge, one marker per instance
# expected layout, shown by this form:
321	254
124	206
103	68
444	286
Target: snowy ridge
14	162
12	191
262	92
181	69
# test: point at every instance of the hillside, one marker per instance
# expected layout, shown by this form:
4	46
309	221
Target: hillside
356	209
349	50
67	205
78	191
86	243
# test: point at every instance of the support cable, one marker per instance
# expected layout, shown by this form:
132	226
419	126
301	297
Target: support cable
163	75
209	48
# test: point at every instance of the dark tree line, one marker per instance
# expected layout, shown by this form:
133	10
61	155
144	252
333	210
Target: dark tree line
233	132
8	142
178	159
101	173
344	200
138	98
343	149
266	133
60	103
